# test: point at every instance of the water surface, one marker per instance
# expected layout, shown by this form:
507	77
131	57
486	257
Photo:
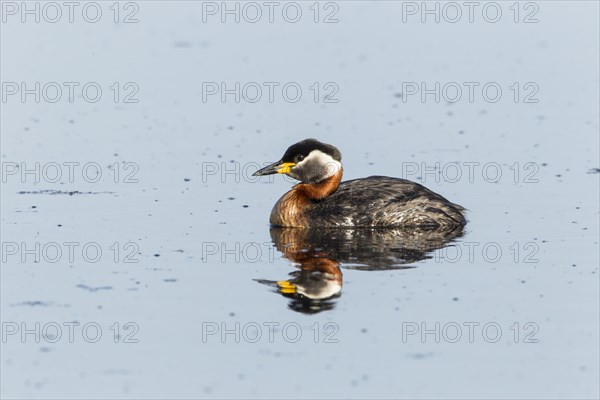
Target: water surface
195	296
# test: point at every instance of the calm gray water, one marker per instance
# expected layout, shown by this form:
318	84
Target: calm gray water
137	259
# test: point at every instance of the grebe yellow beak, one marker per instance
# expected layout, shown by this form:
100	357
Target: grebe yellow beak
276	168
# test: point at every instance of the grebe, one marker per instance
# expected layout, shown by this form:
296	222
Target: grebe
320	200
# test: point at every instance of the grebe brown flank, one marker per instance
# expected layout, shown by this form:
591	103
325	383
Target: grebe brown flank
320	200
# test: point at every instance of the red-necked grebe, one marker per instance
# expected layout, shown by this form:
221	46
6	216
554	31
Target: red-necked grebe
320	200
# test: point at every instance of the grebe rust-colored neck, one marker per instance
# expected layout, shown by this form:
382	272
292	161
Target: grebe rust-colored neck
320	190
289	210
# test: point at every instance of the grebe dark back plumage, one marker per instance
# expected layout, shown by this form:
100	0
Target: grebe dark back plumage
320	200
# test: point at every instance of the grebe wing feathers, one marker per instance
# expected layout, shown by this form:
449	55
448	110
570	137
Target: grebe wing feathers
381	200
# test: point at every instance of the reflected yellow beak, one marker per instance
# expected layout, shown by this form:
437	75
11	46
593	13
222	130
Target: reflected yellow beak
286	287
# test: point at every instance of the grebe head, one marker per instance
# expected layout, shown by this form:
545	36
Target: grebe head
309	161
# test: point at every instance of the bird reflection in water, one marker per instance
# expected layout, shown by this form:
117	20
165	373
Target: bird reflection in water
319	254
